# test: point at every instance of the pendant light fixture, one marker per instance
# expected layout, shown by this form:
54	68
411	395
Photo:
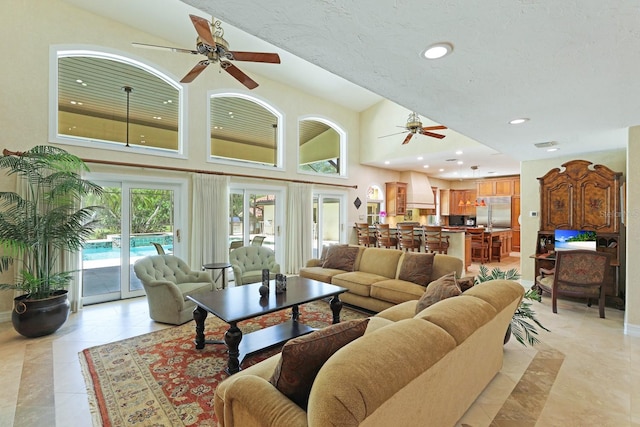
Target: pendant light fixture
128	90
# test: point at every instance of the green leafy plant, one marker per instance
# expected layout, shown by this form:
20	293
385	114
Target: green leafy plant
524	321
38	225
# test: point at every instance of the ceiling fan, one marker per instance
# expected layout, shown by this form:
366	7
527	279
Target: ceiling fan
210	43
414	126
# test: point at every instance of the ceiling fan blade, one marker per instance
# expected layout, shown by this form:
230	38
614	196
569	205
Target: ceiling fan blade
238	74
431	134
397	133
172	49
434	127
195	71
203	28
407	139
272	58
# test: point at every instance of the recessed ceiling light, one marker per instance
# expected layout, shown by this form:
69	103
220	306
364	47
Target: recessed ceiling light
420	158
426	166
387	162
441	170
460	162
553	149
438	50
518	121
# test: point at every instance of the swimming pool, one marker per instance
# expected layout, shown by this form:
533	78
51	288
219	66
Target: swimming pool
97	254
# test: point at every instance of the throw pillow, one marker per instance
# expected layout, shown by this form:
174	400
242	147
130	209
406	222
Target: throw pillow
417	268
444	287
303	357
341	257
465	283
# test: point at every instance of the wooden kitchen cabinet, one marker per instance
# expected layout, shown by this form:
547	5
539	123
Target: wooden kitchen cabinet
462	202
515	226
396	198
507	186
444	202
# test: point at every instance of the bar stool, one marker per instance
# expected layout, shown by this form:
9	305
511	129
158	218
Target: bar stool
409	237
365	236
385	239
479	245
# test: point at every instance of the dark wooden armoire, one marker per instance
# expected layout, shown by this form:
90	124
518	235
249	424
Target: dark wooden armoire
582	196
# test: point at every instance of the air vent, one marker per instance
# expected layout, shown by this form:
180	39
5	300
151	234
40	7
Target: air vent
545	144
451	160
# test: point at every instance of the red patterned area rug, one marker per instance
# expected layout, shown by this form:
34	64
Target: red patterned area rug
160	379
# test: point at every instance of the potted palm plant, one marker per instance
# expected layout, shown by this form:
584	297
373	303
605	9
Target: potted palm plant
39	225
523	323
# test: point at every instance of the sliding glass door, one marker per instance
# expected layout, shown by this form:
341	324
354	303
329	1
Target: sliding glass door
255	217
134	216
328	221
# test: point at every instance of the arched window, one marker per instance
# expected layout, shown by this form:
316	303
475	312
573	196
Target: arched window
244	129
113	102
322	147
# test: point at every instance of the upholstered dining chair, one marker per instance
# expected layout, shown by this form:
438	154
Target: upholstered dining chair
167	281
434	241
409	237
577	273
479	245
366	236
385	238
247	263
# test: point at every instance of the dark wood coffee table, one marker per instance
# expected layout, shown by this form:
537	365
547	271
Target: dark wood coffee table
236	304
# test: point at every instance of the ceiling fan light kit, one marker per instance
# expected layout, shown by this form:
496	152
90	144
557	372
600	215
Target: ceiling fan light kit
414	126
211	43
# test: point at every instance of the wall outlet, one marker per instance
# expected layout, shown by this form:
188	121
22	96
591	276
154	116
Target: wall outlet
533	214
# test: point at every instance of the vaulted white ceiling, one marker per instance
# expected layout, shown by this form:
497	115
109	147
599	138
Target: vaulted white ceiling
570	67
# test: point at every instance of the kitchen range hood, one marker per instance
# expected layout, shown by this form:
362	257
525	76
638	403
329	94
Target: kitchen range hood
419	192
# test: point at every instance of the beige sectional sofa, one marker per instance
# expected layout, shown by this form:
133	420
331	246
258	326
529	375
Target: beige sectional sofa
407	369
376	280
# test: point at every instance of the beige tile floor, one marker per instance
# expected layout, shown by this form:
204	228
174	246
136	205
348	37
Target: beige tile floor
585	372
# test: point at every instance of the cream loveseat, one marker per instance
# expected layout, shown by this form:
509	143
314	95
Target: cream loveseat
407	369
381	278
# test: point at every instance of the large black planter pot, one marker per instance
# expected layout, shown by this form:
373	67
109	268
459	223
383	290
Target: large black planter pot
39	317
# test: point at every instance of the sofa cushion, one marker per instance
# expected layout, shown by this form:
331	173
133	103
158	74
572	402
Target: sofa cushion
460	316
357	282
379	261
320	274
341	257
416	268
396	291
442	288
303	357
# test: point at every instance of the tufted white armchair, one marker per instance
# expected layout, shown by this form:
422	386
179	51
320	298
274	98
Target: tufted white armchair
167	281
248	261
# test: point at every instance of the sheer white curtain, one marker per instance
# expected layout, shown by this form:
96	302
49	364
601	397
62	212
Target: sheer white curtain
299	226
210	220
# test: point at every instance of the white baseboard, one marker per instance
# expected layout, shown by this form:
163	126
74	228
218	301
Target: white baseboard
632	330
5	316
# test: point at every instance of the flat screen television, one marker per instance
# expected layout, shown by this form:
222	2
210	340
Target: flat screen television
566	240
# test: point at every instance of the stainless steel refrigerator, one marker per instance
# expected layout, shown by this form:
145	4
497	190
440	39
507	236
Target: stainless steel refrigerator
497	213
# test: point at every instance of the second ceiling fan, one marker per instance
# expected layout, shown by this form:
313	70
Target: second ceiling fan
414	126
210	43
